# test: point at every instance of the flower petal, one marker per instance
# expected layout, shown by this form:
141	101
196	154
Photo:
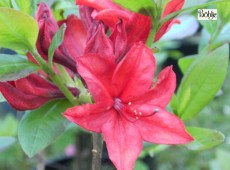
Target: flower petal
97	72
133	75
172	6
163	128
123	142
161	94
36	85
98	42
165	28
90	116
75	37
98	4
20	100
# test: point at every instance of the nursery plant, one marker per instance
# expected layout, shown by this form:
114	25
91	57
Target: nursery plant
97	65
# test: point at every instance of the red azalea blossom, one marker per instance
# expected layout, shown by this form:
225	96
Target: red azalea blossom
30	92
128	26
171	6
129	107
74	39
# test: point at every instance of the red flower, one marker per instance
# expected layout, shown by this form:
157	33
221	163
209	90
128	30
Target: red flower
30	92
128	107
74	39
172	6
125	25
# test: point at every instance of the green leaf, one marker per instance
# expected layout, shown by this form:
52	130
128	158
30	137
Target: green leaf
13	67
222	12
5	3
202	81
146	7
6	142
18	30
185	62
23	6
41	127
204	138
8	126
56	42
140	165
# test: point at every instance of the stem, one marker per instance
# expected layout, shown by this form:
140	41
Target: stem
97	151
55	78
40	159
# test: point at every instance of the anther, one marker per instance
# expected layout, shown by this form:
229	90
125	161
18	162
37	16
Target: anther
129	103
156	110
137	117
140	113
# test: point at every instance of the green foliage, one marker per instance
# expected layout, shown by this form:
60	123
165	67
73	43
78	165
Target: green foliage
6	142
56	42
8	129
23	6
204	138
13	67
202	81
140	165
5	3
8	126
18	30
221	161
146	7
43	126
185	62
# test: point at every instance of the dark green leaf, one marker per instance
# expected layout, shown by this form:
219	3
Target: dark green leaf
146	7
56	42
18	30
204	138
202	81
6	142
13	67
185	62
41	127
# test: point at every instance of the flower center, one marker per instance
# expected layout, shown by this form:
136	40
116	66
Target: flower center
129	112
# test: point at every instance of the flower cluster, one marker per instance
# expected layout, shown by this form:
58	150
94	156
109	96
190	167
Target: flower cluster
106	48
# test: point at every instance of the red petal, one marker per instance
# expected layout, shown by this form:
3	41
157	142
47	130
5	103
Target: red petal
133	75
75	37
163	128
97	72
90	116
112	16
123	141
165	28
173	6
98	42
119	38
138	28
47	28
36	85
163	92
19	100
98	4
